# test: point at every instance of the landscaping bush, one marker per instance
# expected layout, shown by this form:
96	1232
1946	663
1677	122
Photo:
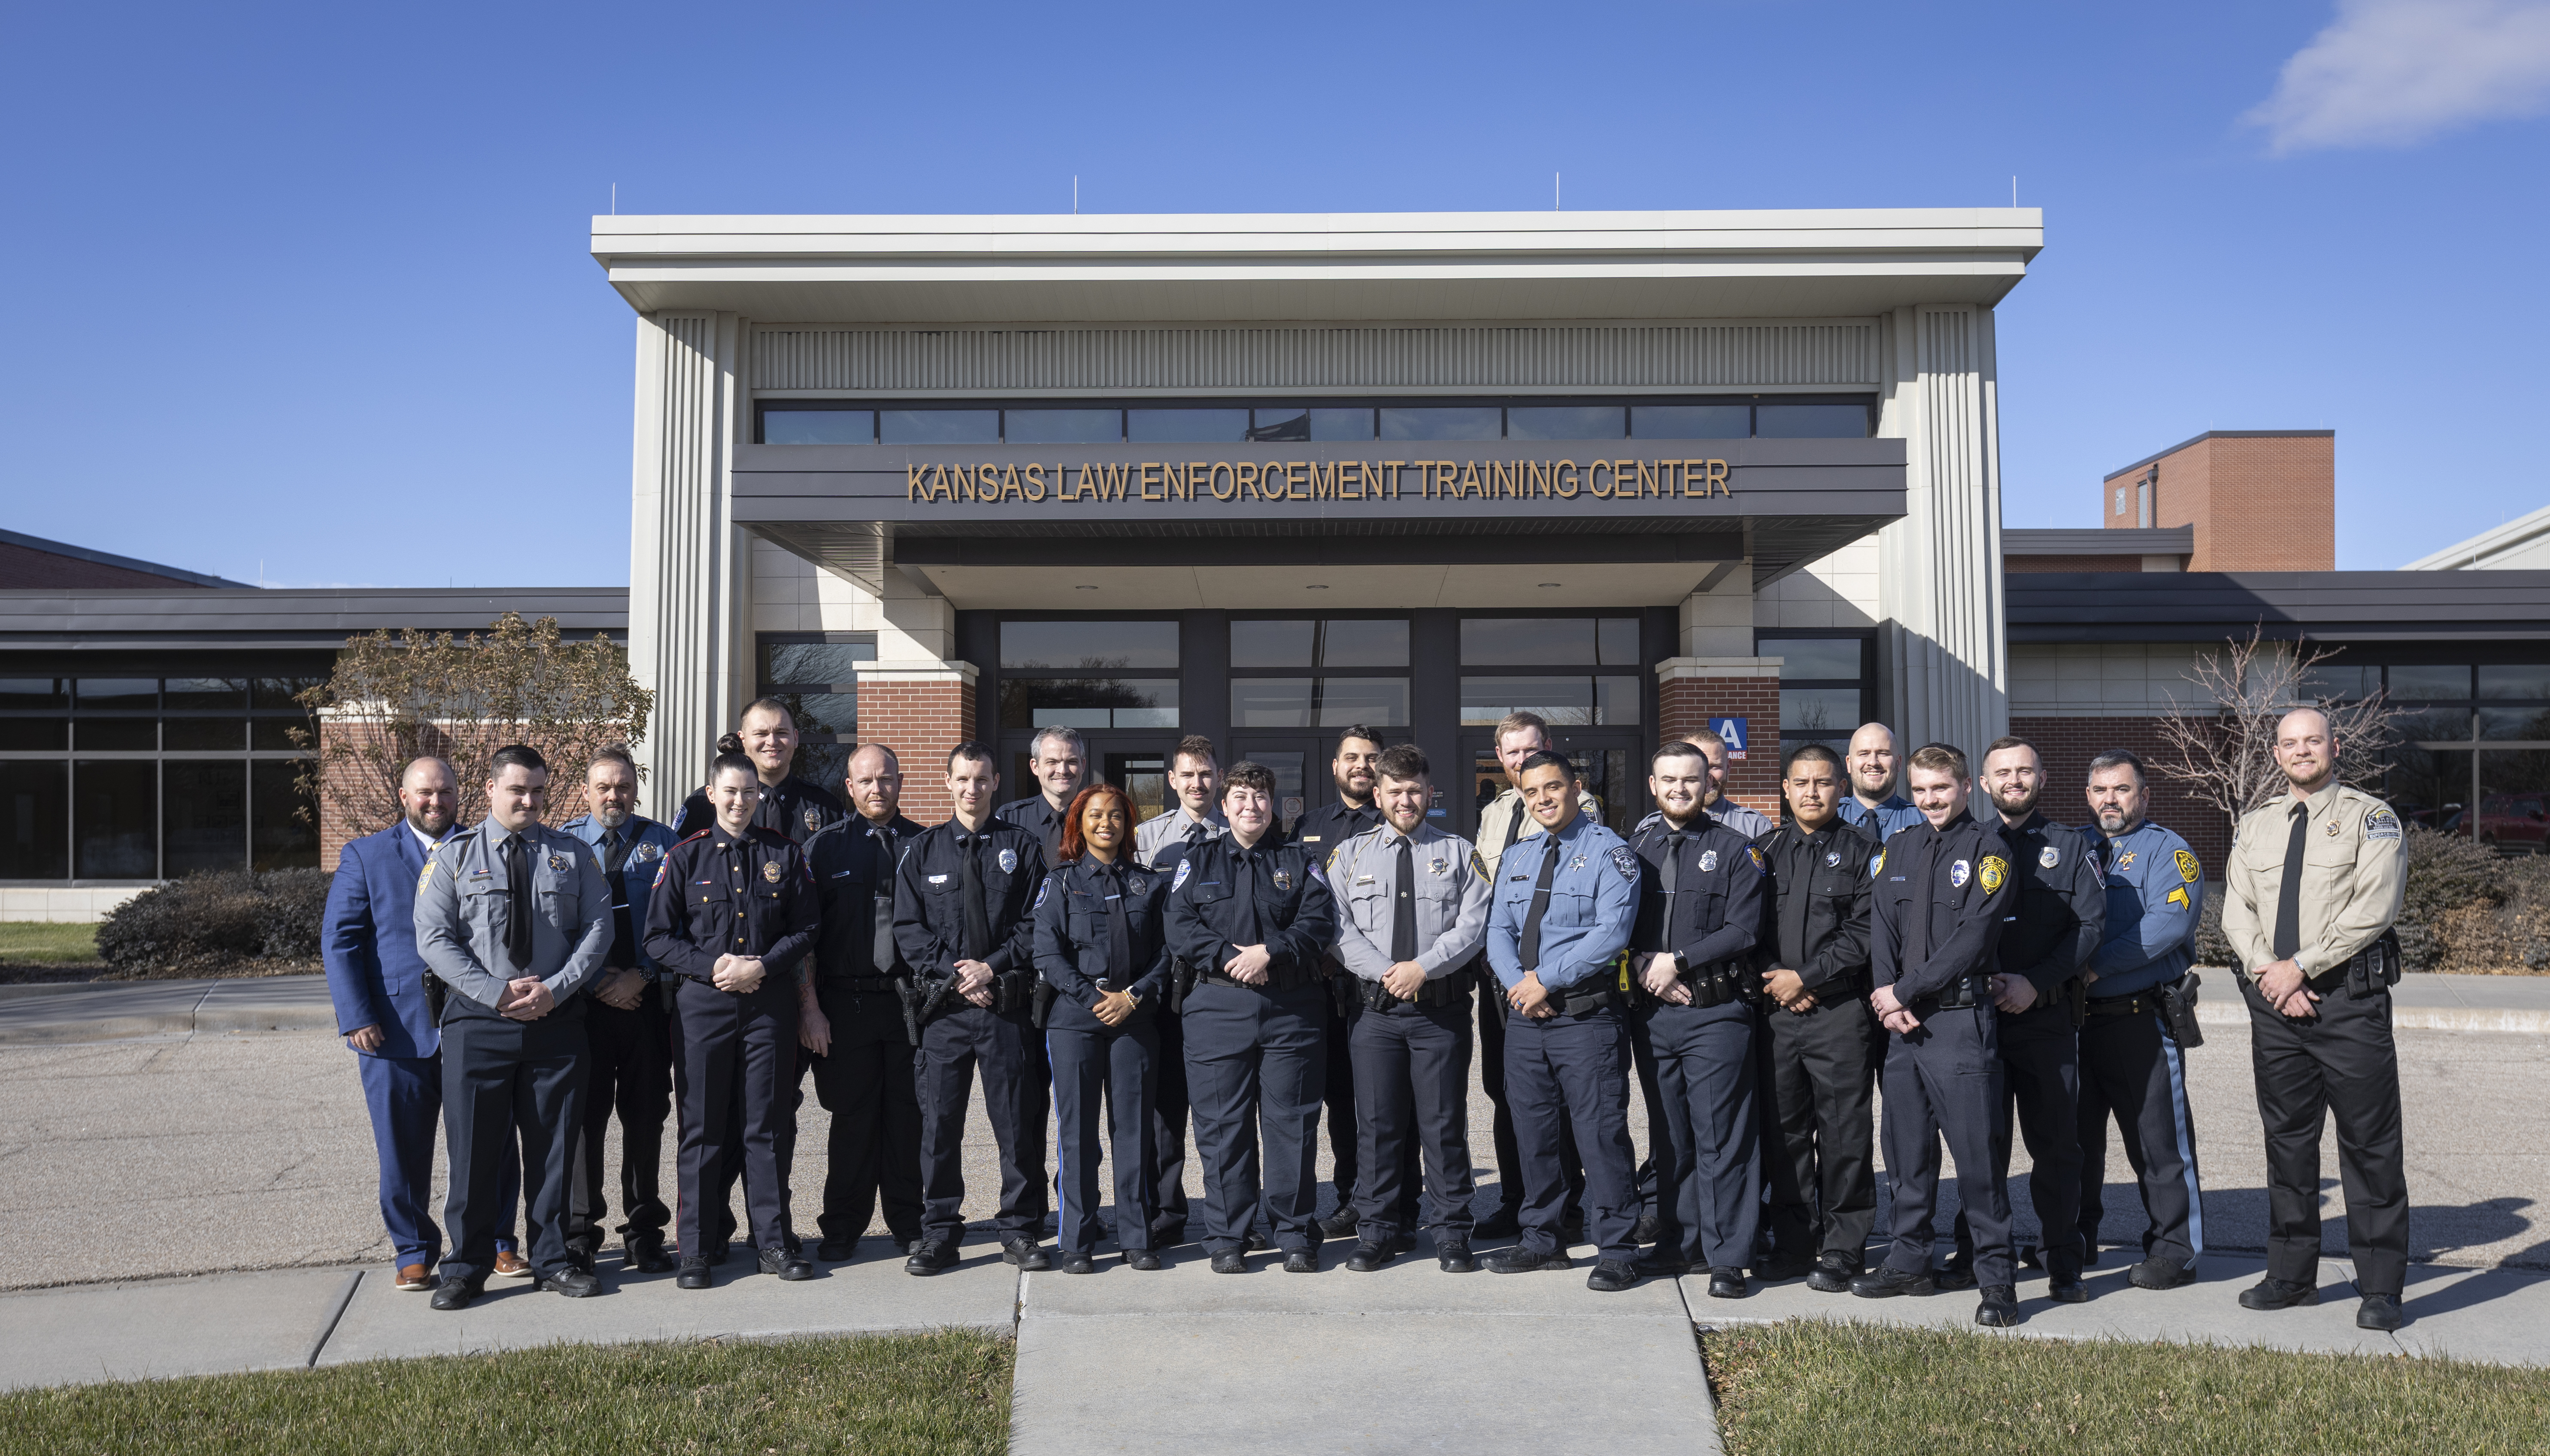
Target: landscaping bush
2467	909
229	923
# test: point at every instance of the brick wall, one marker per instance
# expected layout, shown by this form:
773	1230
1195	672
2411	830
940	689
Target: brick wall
2259	502
920	715
2067	744
1689	703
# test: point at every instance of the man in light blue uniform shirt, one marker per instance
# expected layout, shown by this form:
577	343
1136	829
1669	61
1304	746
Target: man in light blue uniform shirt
1565	903
2132	1068
1874	807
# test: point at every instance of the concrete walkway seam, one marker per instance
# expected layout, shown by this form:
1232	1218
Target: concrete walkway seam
335	1311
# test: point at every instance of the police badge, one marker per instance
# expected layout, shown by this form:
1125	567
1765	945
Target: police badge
2049	858
1138	884
650	849
559	864
1959	873
814	821
770	870
1833	858
1708	861
1009	861
1284	879
1438	867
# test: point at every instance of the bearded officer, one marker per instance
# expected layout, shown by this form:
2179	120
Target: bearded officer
2315	879
1943	892
1321	831
1874	807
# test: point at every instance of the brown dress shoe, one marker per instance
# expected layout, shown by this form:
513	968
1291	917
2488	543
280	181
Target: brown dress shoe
510	1266
415	1278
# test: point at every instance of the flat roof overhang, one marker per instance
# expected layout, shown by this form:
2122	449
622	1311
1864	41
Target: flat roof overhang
1318	266
319	617
2285	606
1777	504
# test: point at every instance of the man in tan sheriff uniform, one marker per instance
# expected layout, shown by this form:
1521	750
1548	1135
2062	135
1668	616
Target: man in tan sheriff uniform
2315	881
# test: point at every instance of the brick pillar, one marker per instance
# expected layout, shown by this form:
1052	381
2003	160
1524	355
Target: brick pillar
919	710
1691	690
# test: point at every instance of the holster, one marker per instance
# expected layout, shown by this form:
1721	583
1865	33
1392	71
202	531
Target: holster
1182	979
922	1001
434	992
1441	991
908	996
2178	1009
2076	1001
2376	967
1963	993
1014	992
1345	991
1040	1003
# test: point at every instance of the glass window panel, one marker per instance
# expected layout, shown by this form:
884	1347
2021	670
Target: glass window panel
2430	786
117	820
1089	703
1069	644
119	692
34	734
1441	421
828	664
1619	642
1341	424
35	692
1565	422
1144	778
204	735
206	692
2515	801
203	811
1177	426
823	712
2334	683
1555	640
1270	702
1349	643
1292	421
2410	683
2434	722
1287	770
1814	657
1615	701
1376	701
1813	712
939	427
825	763
1691	422
34	820
1062	426
1273	644
1811	422
2514	682
817	427
1567	702
275	733
280	692
118	735
2514	723
286	822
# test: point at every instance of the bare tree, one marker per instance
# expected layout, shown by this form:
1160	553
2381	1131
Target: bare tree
393	699
2221	747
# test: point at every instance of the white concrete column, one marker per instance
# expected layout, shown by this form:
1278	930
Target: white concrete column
1717	620
1943	652
689	593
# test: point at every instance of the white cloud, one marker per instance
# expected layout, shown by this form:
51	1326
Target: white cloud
2394	73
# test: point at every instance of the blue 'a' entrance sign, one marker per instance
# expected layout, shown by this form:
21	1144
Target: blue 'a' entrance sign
1732	730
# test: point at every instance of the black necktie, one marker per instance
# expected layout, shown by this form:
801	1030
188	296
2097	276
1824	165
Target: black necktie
1403	925
614	851
518	909
1514	828
1668	875
978	921
1793	892
1198	836
2289	895
1916	905
1243	894
1540	905
1120	931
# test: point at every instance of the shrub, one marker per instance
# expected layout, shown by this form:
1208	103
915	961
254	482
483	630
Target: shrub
226	923
2465	908
2447	873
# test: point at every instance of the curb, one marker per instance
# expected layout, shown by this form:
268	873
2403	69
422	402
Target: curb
76	1013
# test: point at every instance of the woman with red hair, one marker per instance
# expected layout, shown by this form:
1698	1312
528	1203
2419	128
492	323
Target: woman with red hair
1101	945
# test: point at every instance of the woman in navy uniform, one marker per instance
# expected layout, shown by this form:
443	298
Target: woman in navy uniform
1100	943
733	913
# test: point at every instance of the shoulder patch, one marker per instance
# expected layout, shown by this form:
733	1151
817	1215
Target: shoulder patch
1043	889
1761	865
2380	824
2176	896
1478	864
663	867
1876	862
2188	868
1333	858
1623	861
1993	872
1180	878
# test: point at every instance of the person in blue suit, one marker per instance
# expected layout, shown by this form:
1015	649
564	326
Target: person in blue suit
377	982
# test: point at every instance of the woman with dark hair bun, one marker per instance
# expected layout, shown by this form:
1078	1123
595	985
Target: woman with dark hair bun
1101	945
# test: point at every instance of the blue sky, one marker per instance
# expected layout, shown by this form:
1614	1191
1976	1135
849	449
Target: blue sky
305	291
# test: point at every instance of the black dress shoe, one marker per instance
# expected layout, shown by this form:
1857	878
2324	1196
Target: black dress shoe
2160	1271
1781	1268
646	1256
1077	1263
1028	1256
1503	1223
1887	1281
1301	1261
930	1257
1610	1276
1663	1264
1340	1225
1727	1284
455	1294
1646	1228
1831	1275
1522	1261
2379	1312
1372	1254
1959	1273
788	1264
837	1250
694	1275
1999	1306
1142	1259
575	1283
1454	1257
1231	1261
2272	1293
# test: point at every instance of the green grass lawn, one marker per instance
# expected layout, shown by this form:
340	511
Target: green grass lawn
38	942
943	1393
1808	1386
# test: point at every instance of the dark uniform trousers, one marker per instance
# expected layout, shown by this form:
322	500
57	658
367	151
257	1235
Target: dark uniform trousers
954	1044
1818	1084
1412	1073
869	1085
2040	1069
1167	1165
1566	1074
629	1072
1493	1011
2343	1062
1946	1080
2133	1073
1116	1068
514	1080
1265	1048
1704	1072
732	1058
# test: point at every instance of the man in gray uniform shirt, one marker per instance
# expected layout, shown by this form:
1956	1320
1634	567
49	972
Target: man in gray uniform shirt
1195	779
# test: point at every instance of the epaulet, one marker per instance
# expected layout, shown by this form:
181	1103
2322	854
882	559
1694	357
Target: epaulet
698	835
